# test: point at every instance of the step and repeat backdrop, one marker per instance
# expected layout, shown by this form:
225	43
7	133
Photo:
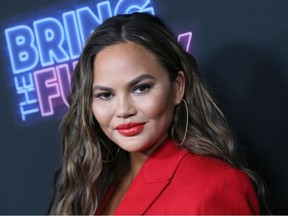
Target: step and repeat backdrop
241	48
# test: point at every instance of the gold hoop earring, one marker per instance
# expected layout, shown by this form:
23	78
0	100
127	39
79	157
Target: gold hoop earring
187	119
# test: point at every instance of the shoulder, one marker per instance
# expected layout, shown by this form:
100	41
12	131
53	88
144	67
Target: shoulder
207	171
218	185
207	167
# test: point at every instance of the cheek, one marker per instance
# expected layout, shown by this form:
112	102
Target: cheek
101	114
158	106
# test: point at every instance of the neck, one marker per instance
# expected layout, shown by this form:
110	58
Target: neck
137	159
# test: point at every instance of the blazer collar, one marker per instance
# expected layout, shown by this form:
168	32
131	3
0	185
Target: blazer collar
153	177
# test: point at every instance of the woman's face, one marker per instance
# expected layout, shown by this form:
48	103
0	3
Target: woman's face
133	98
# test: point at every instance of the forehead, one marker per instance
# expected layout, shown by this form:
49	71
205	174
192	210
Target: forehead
126	59
123	50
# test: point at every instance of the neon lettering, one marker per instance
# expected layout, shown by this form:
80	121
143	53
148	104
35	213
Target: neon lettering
47	89
22	51
25	87
125	7
88	21
64	80
50	37
185	40
44	55
72	34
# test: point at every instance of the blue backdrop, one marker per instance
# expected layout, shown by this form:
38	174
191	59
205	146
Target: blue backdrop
241	48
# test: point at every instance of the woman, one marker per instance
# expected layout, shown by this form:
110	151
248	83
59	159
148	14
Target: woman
143	135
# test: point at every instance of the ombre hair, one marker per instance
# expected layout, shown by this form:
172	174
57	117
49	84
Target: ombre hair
90	162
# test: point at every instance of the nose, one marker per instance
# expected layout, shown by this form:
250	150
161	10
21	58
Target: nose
125	107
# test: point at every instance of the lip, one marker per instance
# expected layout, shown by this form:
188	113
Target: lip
130	129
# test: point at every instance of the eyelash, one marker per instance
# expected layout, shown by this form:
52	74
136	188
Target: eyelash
103	96
106	96
146	87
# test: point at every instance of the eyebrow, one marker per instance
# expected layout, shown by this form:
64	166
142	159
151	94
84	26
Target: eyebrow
139	79
130	84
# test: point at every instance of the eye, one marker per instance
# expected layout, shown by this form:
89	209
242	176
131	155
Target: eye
141	89
104	96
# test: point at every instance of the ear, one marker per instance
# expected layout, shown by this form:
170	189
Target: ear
179	87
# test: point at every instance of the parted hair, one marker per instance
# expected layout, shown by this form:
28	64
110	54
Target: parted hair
90	162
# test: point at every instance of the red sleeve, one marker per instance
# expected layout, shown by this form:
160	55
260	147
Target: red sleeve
229	193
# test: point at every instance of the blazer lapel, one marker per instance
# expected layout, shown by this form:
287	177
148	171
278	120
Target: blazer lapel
139	197
151	180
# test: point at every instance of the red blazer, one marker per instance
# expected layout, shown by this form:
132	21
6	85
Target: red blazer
174	181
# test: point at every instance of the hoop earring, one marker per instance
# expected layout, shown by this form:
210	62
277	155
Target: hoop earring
187	119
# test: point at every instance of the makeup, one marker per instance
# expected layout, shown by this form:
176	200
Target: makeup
130	129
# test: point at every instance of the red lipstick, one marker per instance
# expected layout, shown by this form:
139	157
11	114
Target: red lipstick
130	129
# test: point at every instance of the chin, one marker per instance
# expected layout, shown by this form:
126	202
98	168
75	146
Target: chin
133	145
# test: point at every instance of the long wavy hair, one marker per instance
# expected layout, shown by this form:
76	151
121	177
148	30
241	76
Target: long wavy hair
90	162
